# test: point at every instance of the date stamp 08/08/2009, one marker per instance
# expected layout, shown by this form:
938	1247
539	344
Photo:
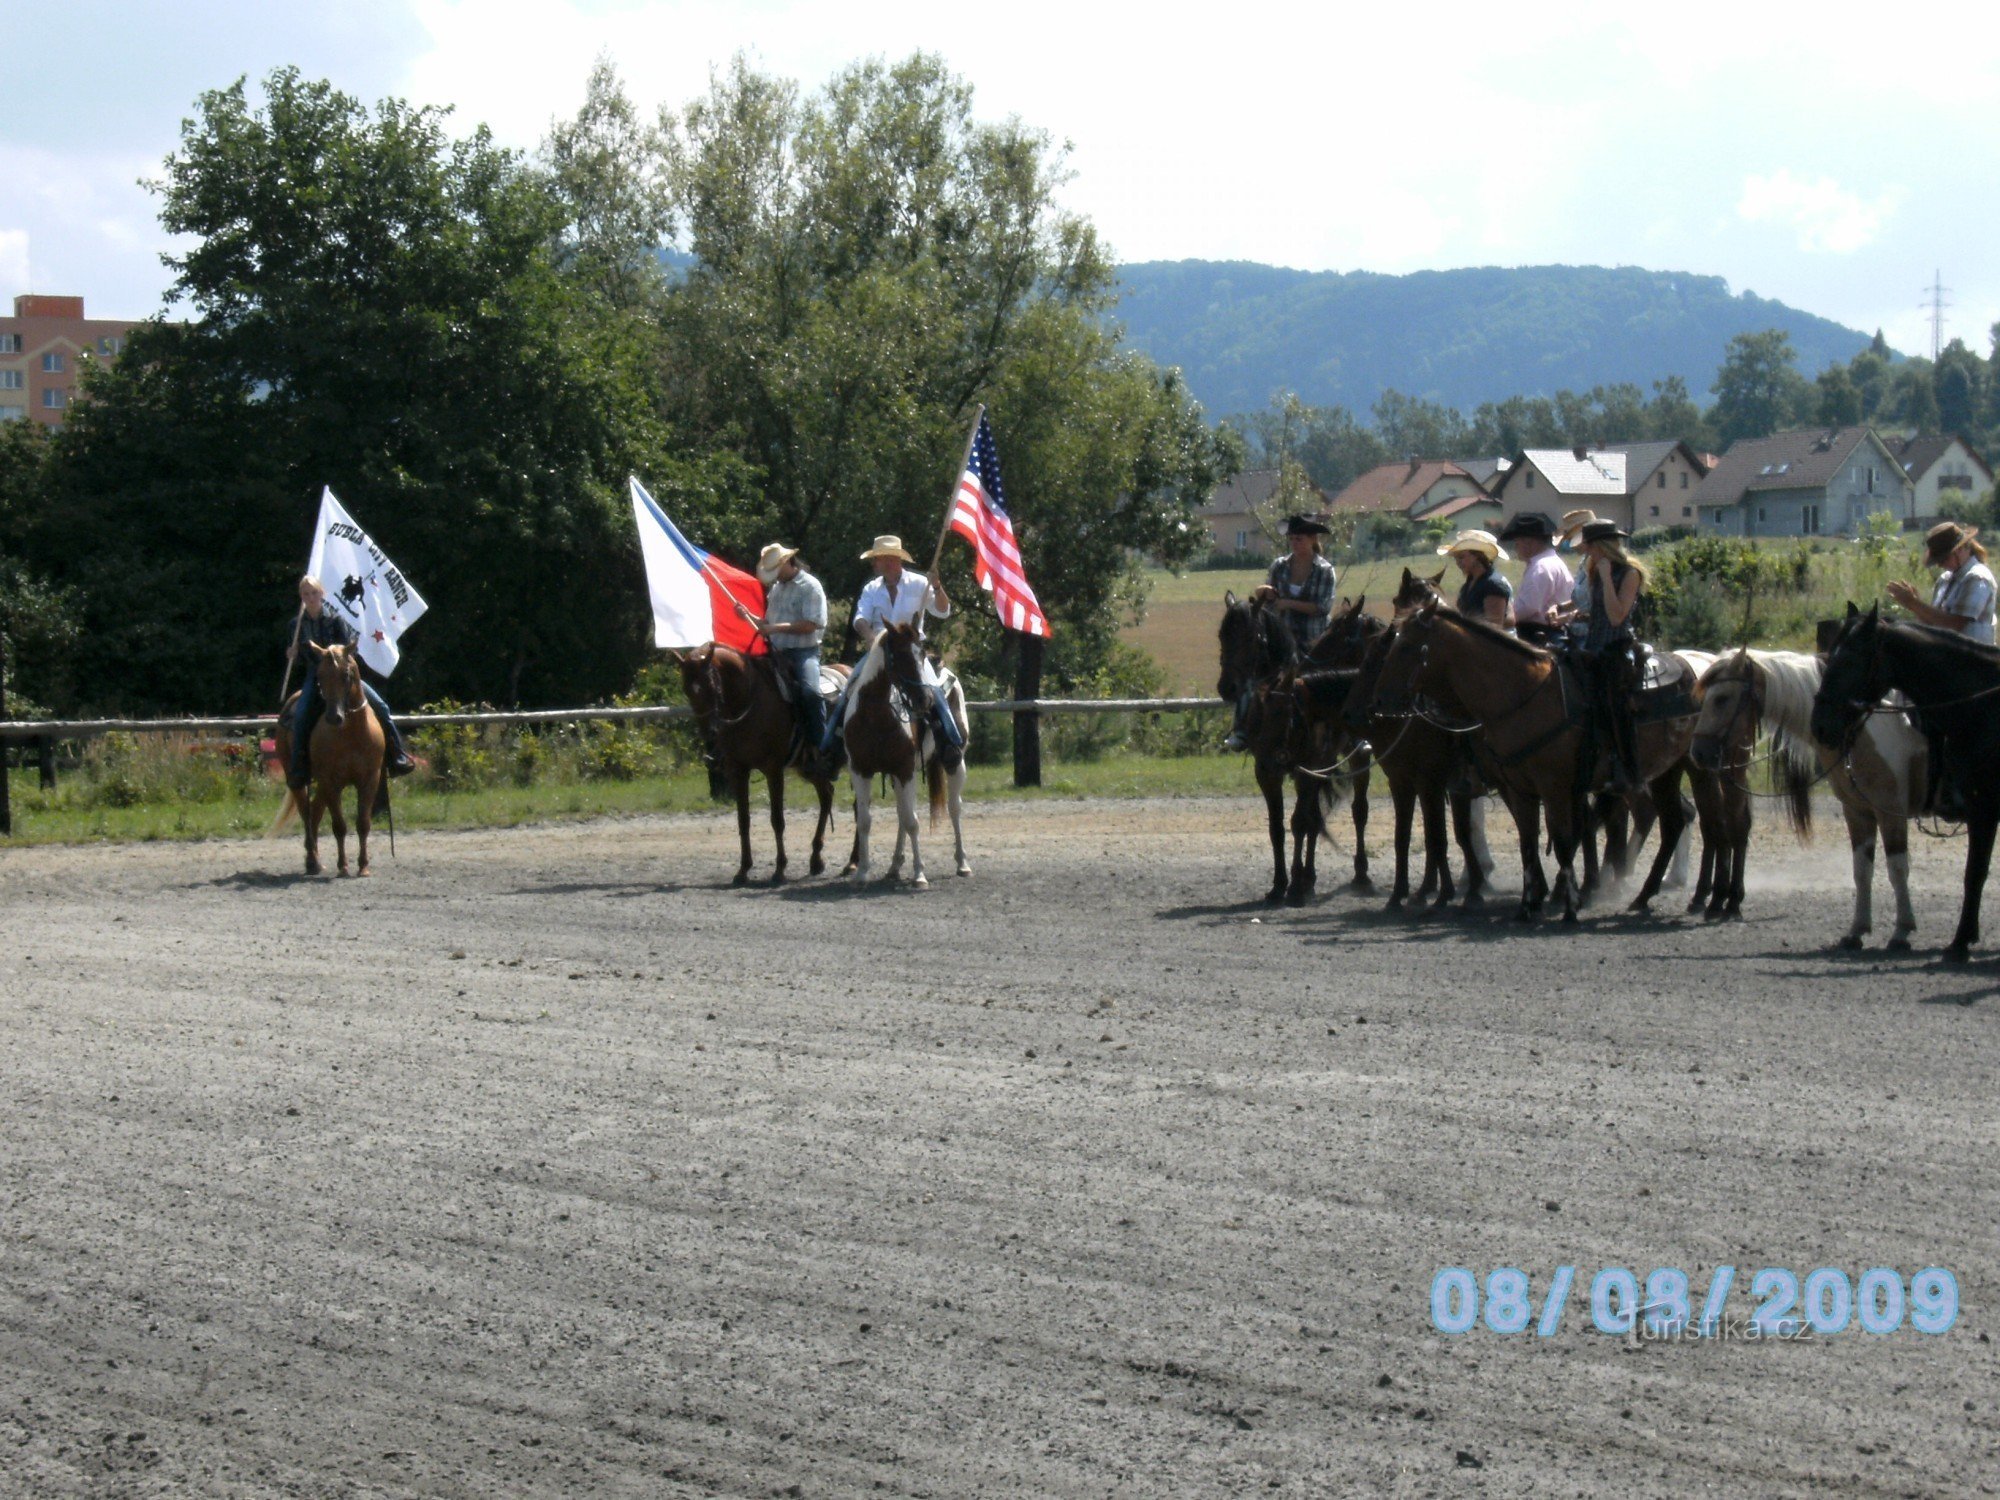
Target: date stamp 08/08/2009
1828	1302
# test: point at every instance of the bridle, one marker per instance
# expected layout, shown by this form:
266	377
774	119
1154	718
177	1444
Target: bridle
1751	697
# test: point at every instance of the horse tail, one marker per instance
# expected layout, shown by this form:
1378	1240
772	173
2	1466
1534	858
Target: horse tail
1796	770
934	776
293	805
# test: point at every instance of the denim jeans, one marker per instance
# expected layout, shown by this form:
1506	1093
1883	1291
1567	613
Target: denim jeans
308	709
801	664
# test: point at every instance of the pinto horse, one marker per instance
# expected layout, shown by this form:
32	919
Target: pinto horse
1955	684
738	698
887	734
345	750
1255	648
1518	697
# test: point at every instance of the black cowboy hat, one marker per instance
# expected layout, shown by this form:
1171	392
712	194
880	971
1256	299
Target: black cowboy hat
1604	531
1529	523
1305	526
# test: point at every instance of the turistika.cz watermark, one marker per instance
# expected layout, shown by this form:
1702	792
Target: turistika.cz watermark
1881	1300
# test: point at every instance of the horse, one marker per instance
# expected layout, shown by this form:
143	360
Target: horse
886	728
1518	697
738	697
345	751
1255	647
1878	780
1955	684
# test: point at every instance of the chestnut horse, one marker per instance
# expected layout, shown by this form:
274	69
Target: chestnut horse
886	729
1519	698
346	751
738	698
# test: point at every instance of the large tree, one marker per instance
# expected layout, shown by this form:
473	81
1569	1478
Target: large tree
1758	390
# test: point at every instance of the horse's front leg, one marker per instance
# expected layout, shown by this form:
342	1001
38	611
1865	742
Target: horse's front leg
906	816
339	831
1437	852
1564	833
739	783
775	776
864	813
1534	882
1861	850
1305	834
1361	882
1896	848
1983	815
825	791
1672	818
902	832
314	807
955	791
1402	803
1273	787
364	817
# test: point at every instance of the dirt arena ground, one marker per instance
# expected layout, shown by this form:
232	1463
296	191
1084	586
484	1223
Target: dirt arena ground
545	1163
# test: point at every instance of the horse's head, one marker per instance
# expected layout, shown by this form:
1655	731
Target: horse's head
1361	697
698	678
1855	680
1348	635
1403	663
1732	706
339	672
903	661
1254	645
1415	592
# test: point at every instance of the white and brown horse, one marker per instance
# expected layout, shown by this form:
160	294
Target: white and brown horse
887	732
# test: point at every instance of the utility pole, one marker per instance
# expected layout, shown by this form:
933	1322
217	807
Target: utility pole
1935	305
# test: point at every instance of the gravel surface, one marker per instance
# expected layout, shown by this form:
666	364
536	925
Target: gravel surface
545	1163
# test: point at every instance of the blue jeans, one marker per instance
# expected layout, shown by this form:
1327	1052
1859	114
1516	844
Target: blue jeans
801	664
940	717
308	709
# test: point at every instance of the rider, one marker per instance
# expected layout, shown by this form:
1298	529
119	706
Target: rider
898	596
1609	645
794	622
1486	594
1962	600
1299	590
1545	582
320	626
1573	615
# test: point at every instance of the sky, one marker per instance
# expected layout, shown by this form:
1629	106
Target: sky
1834	159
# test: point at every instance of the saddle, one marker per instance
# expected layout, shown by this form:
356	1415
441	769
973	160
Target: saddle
1665	688
831	681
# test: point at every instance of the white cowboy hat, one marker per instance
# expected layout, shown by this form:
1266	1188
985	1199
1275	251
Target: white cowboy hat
1482	542
887	546
773	558
1573	522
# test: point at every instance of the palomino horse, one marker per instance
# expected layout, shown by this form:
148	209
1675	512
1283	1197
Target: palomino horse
739	698
1255	648
887	734
1879	780
1955	684
345	750
1532	748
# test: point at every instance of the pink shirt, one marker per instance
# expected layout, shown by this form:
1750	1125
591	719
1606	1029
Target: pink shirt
1545	584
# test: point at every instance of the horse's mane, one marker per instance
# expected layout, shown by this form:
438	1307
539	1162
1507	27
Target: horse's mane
1951	641
871	666
1328	687
1494	633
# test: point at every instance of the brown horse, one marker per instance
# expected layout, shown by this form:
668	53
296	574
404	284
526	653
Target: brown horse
738	698
345	750
1531	748
886	732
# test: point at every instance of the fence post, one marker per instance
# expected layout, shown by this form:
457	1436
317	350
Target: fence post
6	805
45	761
1027	724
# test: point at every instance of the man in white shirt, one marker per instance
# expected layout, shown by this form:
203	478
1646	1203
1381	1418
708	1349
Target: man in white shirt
1545	584
897	595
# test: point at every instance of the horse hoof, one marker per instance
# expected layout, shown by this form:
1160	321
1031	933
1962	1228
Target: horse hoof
1900	943
1955	955
1274	896
363	873
818	866
1361	883
1639	907
922	882
1569	919
777	877
964	869
1852	942
742	878
1734	914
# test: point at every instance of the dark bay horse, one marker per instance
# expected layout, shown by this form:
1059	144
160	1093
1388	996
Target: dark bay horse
1531	748
1955	684
1255	648
738	698
345	750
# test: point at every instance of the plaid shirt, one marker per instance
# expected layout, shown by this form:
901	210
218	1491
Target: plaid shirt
1317	591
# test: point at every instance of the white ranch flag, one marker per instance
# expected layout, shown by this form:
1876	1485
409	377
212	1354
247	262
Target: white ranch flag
363	585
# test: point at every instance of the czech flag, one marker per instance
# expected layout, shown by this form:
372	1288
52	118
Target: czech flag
694	593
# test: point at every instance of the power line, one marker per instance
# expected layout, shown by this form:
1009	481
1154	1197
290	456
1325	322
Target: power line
1935	304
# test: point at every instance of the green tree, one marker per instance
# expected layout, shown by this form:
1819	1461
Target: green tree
1410	425
1912	397
1959	380
1869	373
38	622
1839	399
1673	416
1758	390
606	168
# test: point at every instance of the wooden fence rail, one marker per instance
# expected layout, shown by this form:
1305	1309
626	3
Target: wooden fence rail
44	733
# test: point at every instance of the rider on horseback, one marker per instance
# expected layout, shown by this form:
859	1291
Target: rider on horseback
320	626
794	622
1298	589
1608	656
1962	600
897	596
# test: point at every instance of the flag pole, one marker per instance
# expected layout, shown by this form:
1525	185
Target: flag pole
951	504
298	628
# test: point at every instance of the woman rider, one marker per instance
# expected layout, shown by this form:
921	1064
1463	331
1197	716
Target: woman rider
1961	600
320	626
1574	616
1486	594
1607	657
1299	590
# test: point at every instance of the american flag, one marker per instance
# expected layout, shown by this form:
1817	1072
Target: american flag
979	514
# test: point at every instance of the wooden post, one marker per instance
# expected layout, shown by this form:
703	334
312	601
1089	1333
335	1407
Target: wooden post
45	760
6	805
1028	725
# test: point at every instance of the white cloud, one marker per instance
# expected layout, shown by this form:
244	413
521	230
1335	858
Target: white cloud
1825	215
13	257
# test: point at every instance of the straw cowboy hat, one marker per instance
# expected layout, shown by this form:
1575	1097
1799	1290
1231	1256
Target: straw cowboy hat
1572	522
773	558
887	546
1482	542
1946	538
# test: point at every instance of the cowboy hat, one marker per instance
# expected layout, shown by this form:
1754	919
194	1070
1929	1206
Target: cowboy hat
1603	531
1574	521
1483	542
1528	523
1306	526
773	558
1946	538
887	546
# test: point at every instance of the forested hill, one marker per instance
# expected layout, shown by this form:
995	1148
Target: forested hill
1244	332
